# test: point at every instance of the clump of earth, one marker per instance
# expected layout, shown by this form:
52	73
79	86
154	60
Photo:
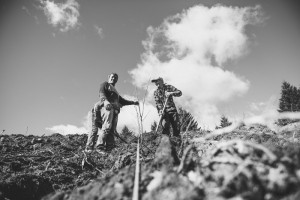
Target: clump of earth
249	162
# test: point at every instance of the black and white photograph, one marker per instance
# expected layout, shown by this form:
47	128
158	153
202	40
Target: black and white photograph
149	100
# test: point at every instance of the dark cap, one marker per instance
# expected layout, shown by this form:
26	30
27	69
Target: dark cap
155	80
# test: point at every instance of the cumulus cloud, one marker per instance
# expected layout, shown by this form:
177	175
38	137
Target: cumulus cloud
67	129
128	116
99	31
267	114
257	106
270	104
72	129
189	51
264	113
63	15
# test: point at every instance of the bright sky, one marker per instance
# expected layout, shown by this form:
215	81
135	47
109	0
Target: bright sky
229	58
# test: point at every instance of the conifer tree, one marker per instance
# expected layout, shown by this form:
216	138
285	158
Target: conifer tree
224	122
153	126
126	132
289	101
285	100
298	99
187	120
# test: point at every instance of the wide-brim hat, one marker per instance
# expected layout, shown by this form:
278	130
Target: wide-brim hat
158	79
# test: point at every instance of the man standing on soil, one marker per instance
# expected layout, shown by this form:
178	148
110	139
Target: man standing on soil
163	93
105	115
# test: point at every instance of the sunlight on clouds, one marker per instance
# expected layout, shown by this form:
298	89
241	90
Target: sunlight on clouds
264	113
72	129
263	107
189	50
128	116
256	106
67	129
63	14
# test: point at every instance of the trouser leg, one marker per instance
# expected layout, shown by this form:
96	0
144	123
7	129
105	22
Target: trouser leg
165	124
107	124
110	141
174	120
93	132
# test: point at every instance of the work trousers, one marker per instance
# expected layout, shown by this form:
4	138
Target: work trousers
96	124
170	118
106	139
104	122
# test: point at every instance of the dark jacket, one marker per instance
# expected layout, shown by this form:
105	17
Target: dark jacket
109	93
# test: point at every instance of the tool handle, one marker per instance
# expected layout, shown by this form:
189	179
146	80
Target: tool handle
160	118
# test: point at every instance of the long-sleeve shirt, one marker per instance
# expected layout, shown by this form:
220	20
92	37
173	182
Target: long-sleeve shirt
160	97
108	92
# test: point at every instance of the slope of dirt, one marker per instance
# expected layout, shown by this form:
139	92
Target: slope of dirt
250	162
32	166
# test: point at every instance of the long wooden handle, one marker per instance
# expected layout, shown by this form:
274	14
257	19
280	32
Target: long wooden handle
163	110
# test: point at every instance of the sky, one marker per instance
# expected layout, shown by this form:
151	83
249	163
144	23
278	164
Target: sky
227	57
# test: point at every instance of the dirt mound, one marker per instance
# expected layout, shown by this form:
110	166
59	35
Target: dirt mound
250	162
34	166
159	180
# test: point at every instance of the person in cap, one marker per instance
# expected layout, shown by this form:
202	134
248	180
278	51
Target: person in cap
105	115
163	93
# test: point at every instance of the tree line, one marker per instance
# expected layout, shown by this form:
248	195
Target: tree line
289	101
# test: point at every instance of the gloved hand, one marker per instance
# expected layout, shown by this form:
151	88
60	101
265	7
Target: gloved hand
107	105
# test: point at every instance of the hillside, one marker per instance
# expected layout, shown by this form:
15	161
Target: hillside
250	162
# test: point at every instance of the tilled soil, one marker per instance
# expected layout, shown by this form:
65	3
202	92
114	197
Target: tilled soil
34	166
250	162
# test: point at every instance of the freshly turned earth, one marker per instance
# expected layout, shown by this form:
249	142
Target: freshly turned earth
250	162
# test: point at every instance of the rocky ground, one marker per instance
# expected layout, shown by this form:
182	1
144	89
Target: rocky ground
250	162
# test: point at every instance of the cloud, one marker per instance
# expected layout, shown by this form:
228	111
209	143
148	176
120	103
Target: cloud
72	129
266	118
99	31
29	14
67	129
266	113
189	51
26	10
266	106
65	15
257	106
128	116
